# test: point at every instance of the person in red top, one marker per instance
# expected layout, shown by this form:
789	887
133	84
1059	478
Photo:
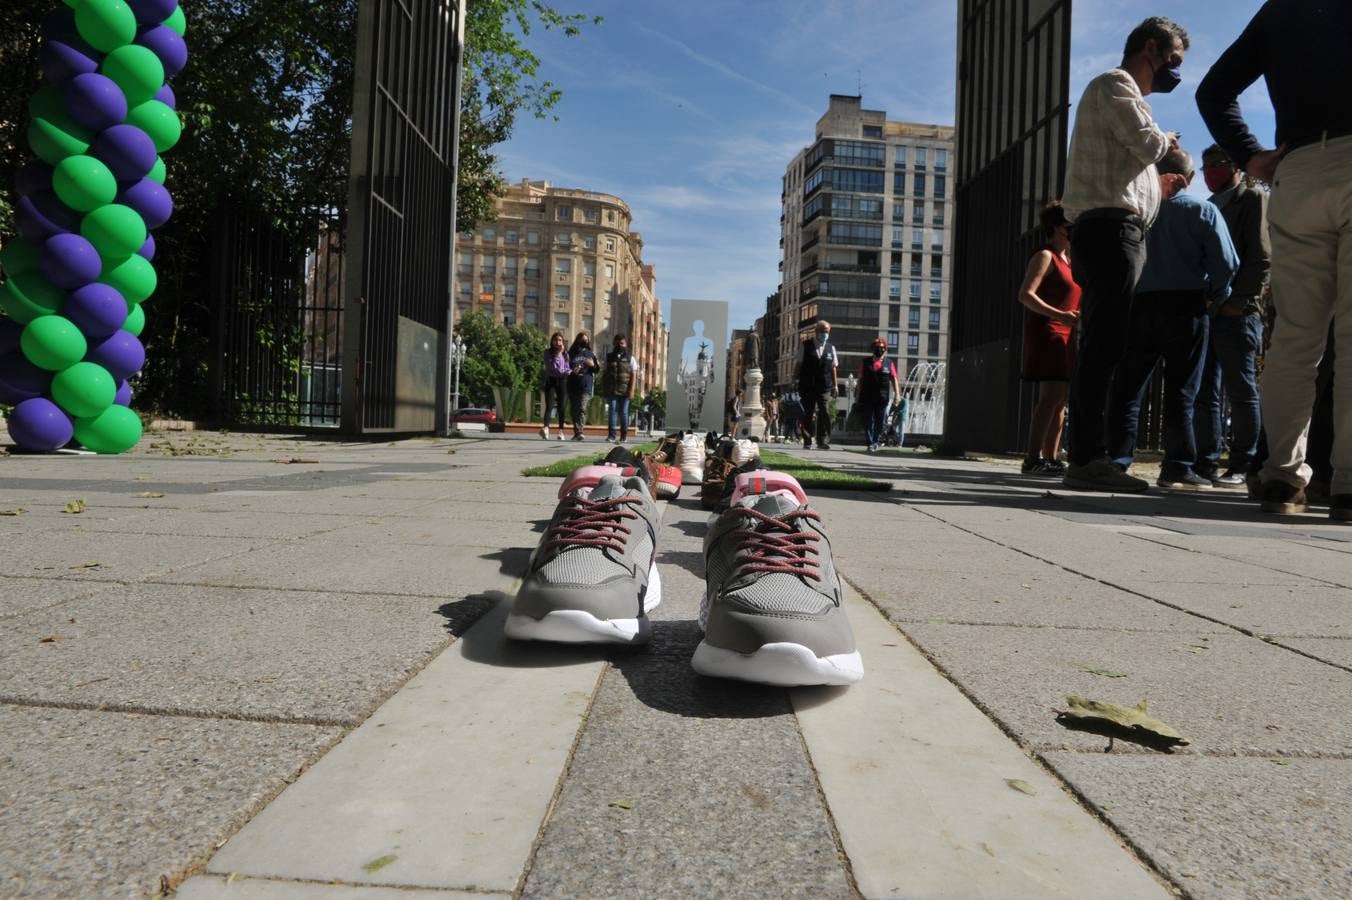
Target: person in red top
1052	298
877	385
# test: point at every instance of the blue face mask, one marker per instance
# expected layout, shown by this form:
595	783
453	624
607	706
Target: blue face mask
1166	79
822	339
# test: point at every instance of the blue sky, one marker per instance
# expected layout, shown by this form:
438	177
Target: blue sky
690	111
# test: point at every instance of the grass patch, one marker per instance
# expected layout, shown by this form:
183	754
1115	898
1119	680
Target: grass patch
809	474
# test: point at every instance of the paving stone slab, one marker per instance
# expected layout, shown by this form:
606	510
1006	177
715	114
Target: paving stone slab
19	596
1338	652
1287	556
1239	695
686	786
218	651
105	556
121	799
194	523
1310	610
1225	828
222	887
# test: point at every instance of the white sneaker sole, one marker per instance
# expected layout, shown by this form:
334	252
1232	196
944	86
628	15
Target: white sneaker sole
783	665
692	476
577	626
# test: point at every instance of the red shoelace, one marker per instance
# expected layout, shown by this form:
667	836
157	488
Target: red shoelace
594	523
780	546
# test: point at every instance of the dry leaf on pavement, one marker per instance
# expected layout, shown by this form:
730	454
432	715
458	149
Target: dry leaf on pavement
1113	721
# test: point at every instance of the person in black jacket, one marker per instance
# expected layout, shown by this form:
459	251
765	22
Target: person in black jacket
816	384
1300	48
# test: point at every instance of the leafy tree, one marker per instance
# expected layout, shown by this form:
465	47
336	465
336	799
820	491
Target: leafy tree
498	356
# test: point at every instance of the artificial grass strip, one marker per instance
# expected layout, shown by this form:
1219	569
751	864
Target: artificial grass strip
809	474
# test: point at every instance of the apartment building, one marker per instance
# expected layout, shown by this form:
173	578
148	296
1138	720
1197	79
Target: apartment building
566	260
866	231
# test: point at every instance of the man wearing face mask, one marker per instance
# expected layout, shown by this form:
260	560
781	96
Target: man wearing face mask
1112	197
877	385
817	383
1236	327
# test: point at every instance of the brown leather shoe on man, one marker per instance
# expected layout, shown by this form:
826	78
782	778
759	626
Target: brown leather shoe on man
1282	498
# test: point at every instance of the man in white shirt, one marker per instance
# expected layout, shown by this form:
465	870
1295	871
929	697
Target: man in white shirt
1112	196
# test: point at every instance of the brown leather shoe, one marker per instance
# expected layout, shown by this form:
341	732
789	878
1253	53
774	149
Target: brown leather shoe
717	470
1282	498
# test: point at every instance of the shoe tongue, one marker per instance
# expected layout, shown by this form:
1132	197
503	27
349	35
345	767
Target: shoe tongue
612	486
776	504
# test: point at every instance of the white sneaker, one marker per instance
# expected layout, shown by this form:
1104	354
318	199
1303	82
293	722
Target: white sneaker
560	437
690	458
744	451
544	433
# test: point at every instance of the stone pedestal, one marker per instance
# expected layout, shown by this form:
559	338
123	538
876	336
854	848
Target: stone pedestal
753	420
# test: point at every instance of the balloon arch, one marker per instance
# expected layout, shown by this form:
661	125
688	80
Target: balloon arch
79	274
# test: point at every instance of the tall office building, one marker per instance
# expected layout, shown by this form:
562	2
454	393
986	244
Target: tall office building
566	260
866	224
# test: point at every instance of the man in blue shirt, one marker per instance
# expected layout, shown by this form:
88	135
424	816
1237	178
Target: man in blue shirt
1301	49
1190	262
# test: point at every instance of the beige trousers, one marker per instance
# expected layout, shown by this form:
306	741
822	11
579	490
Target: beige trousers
1310	218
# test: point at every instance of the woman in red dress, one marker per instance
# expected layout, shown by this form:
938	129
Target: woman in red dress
1052	299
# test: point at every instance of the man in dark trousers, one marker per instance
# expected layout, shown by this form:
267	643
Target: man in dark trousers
817	384
1112	197
1236	327
1300	47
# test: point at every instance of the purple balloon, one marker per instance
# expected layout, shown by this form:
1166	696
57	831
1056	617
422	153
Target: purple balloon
69	261
9	334
42	214
150	199
166	96
34	176
95	101
20	380
123	397
64	58
168	45
127	151
39	424
147	250
122	354
97	309
152	12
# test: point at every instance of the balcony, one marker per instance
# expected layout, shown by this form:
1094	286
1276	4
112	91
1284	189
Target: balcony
850	268
809	243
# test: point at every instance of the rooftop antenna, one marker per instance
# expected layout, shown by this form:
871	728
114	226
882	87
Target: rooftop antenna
859	82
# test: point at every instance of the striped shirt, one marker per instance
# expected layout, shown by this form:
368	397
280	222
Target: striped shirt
1113	151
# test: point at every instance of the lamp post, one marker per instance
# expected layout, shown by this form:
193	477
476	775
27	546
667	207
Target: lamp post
457	357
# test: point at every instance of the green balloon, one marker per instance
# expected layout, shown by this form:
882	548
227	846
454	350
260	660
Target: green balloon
134	278
178	21
84	390
53	343
84	184
47	102
105	24
136	321
137	70
159	121
33	296
18	307
115	430
19	256
53	138
116	231
157	172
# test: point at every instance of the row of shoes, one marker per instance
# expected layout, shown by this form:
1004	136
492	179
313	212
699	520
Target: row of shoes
771	611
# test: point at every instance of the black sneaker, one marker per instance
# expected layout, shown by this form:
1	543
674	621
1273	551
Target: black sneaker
1029	464
1184	481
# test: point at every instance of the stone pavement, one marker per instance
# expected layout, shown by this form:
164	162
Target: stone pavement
275	666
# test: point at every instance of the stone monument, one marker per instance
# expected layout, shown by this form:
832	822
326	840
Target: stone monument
753	411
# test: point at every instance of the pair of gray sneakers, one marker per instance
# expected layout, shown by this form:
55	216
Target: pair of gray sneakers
772	606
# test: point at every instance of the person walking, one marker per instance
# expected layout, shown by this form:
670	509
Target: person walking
772	417
582	366
1190	263
1300	47
733	413
1112	197
555	375
1236	331
617	386
816	384
874	392
1052	300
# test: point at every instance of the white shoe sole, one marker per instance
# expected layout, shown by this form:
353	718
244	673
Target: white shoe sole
692	476
577	626
783	665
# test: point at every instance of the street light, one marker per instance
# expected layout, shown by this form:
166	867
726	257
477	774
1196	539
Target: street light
457	357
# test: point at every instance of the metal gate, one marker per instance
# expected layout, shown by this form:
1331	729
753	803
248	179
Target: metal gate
401	215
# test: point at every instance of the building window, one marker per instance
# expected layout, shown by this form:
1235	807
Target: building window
892	338
564	213
915	291
858	153
511	236
563	265
912	343
486	287
936	291
894	316
589	267
610	243
610	215
940	160
465	263
508	319
934	320
913	317
589	242
936	265
532	268
894	287
938	214
509	267
464	295
933	342
856	234
509	293
466	235
532	296
920	157
916	262
899	159
610	270
588	295
873	131
937	240
589	215
563	292
560	321
917	238
489	233
587	323
918	212
532	238
899	183
489	266
898	236
532	317
898	213
940	186
920	184
563	239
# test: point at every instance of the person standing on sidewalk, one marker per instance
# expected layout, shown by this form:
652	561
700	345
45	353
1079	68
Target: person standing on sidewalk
582	366
816	384
617	386
1190	263
1052	298
877	385
1301	48
1112	196
1236	327
555	375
